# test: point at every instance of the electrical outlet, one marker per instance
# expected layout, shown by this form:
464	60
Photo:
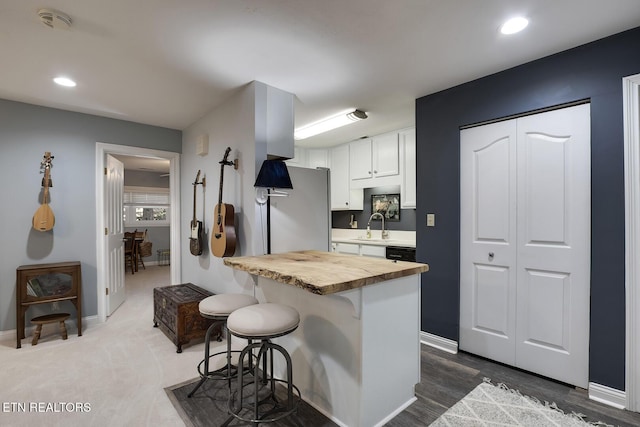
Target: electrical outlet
431	220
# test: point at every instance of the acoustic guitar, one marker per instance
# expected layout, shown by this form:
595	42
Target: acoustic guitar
223	239
196	241
43	219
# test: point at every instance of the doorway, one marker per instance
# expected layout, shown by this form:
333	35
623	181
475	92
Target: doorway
525	242
102	261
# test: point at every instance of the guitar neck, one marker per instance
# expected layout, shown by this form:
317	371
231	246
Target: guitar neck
220	191
222	165
194	203
45	192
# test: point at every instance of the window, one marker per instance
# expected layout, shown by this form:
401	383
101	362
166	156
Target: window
146	206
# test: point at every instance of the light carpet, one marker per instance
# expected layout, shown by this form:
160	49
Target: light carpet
498	405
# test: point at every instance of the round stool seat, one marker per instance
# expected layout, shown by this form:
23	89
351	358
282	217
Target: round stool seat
224	304
263	320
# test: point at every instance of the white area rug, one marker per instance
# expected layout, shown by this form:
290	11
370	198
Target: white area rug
498	405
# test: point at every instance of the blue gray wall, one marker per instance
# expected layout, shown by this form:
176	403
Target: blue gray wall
26	132
593	71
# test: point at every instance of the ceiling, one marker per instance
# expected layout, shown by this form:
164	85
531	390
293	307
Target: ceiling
168	63
144	164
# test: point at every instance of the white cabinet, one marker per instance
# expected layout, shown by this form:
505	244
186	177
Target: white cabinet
342	196
408	160
309	158
317	158
376	251
375	161
385	155
346	248
373	250
360	160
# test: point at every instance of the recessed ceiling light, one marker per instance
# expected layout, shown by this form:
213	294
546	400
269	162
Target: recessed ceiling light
64	81
514	25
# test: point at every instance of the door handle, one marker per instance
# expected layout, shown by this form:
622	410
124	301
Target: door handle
491	255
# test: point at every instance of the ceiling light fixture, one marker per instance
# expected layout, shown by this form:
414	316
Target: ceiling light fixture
329	123
64	81
55	19
514	25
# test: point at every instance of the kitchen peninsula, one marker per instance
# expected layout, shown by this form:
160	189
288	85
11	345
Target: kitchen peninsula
356	353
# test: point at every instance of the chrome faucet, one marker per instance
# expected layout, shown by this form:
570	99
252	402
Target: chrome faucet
385	233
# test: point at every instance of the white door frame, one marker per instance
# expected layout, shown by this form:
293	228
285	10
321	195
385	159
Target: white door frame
174	187
631	111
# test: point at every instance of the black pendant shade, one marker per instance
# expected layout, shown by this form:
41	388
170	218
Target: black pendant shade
273	174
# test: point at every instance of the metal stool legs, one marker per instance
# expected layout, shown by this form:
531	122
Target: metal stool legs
266	383
205	374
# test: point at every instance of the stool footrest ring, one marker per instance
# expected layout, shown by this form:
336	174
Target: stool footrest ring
266	417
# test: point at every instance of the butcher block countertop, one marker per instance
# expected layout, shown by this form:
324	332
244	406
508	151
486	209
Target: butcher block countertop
325	273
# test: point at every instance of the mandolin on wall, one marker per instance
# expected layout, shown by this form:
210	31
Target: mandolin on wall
43	219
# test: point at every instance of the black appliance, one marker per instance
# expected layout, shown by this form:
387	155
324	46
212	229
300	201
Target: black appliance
401	253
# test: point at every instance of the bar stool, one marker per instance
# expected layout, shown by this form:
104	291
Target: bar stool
218	308
262	322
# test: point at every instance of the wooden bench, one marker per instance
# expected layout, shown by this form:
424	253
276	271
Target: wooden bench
49	318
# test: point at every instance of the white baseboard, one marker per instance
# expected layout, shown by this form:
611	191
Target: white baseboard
325	413
443	344
599	393
607	395
396	412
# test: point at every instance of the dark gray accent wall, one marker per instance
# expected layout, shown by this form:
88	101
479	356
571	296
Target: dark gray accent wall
593	71
26	132
341	219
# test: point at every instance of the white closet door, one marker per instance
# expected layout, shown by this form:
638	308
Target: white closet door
554	244
488	241
525	242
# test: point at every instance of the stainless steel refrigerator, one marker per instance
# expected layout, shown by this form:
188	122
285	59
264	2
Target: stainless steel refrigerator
302	220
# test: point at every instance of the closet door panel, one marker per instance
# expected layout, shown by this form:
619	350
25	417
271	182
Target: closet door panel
488	241
554	245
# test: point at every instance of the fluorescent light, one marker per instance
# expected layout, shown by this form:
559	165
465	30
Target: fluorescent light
514	25
65	81
329	123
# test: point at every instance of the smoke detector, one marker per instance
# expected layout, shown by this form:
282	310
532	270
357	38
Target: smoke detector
54	19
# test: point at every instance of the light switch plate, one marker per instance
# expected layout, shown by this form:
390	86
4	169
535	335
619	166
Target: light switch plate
431	220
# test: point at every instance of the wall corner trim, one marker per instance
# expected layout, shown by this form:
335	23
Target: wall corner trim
607	395
441	343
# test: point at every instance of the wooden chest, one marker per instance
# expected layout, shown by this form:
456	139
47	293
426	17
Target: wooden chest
175	312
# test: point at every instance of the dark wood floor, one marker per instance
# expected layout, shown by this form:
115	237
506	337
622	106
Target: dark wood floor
447	378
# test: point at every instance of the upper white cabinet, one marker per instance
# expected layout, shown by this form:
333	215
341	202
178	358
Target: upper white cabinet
310	158
385	155
375	161
343	197
360	160
408	162
317	158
